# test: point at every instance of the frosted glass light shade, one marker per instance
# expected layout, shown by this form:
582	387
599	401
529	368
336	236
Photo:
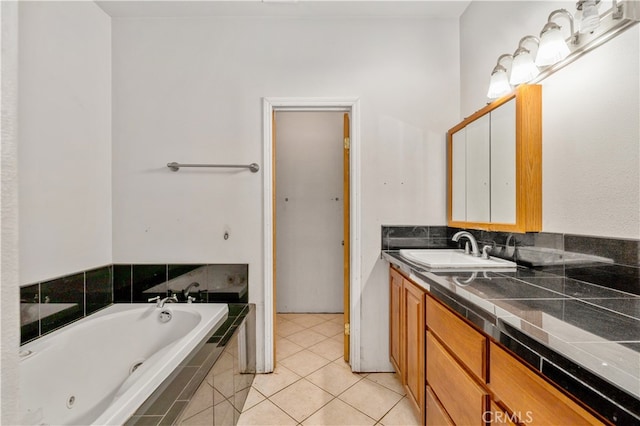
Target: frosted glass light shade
590	17
523	69
499	85
553	48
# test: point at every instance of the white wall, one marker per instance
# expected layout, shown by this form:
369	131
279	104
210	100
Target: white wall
9	291
190	90
591	118
64	154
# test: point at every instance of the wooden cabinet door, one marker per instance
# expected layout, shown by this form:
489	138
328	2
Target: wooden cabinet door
414	324
395	326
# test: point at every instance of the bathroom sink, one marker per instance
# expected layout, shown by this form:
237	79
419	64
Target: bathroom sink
454	259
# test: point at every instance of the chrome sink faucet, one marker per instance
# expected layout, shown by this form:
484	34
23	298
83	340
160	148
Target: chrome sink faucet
160	302
474	244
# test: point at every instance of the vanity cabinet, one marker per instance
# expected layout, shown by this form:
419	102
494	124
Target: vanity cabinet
407	334
495	165
454	374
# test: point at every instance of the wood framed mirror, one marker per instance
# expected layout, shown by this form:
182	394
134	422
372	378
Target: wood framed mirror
494	169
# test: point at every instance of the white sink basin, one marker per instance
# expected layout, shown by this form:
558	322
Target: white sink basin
452	258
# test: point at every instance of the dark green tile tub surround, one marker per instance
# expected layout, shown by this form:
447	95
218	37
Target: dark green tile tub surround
29	312
99	289
217	283
51	304
77	295
66	293
146	277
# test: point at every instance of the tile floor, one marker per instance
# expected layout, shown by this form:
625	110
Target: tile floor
312	385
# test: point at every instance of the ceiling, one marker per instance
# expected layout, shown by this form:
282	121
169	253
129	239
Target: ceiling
292	8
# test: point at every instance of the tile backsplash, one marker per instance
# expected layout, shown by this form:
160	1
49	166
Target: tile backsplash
608	262
48	305
51	304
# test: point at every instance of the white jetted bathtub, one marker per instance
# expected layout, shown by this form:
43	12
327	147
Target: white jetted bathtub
100	369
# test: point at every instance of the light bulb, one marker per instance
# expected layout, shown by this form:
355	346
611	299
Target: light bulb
499	84
590	17
523	69
553	47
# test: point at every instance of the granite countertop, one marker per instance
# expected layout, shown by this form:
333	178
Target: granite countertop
594	330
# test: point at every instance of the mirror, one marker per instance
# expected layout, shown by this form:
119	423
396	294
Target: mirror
495	163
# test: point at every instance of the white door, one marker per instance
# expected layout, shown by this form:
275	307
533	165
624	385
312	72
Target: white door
309	211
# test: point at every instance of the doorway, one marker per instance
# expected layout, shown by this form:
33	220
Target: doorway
351	160
309	211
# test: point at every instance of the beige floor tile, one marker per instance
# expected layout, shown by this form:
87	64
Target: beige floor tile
338	413
201	419
301	399
268	384
338	320
308	321
306	338
329	317
343	364
285	348
223	383
333	378
217	397
223	414
290	316
328	328
304	362
338	338
200	401
371	398
388	380
288	328
253	398
402	414
329	349
264	414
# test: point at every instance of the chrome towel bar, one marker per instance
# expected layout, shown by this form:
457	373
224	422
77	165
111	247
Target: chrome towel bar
253	166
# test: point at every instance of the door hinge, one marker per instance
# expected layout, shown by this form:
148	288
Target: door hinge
347	143
347	329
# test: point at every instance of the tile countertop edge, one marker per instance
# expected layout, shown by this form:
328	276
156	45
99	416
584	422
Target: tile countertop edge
502	325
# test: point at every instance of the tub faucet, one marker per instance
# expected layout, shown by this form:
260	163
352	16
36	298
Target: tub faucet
185	292
474	244
160	302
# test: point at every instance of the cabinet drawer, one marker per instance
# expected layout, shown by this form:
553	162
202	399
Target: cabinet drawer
469	345
464	400
529	396
436	416
497	416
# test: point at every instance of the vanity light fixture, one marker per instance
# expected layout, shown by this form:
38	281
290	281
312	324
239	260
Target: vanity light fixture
523	68
590	19
553	46
499	84
620	17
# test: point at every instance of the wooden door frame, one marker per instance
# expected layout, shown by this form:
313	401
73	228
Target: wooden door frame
351	105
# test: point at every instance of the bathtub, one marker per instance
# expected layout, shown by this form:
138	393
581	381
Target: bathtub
100	369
